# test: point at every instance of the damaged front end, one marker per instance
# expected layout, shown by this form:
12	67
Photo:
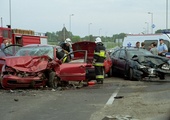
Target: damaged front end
151	67
26	71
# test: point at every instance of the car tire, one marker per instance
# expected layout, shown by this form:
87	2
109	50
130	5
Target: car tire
162	77
131	74
53	81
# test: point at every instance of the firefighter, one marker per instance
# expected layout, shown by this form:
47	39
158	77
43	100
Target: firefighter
99	57
67	47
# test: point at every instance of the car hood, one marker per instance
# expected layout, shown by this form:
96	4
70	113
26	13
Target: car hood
84	45
27	63
152	59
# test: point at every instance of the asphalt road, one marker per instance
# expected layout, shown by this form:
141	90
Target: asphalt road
116	98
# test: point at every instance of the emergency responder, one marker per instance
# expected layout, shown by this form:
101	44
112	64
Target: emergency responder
67	47
99	57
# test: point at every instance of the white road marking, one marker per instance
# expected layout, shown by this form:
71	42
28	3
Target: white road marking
112	97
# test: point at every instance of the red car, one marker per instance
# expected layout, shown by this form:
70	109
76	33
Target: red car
80	67
31	66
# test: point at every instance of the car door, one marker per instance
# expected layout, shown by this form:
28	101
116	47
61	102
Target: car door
74	69
115	59
122	60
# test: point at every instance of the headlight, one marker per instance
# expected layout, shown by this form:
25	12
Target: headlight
142	66
165	67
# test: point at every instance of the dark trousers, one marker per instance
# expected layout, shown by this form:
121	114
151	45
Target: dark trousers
99	73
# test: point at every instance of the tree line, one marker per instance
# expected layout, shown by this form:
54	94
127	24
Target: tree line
59	36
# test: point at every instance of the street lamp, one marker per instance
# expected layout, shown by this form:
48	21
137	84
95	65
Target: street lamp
70	21
151	21
89	28
147	26
167	15
1	22
99	31
10	12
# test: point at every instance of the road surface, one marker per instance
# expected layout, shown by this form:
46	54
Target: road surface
116	98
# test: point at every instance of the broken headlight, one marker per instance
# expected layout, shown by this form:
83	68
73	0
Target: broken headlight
165	66
142	66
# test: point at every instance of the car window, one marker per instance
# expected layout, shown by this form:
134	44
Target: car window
122	54
116	54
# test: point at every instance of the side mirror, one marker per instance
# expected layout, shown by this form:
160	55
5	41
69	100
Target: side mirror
135	58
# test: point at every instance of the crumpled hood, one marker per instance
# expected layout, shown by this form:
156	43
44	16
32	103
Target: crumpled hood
27	63
84	45
156	60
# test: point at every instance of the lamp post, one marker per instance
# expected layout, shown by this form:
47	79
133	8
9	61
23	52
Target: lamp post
70	21
10	12
89	28
1	22
147	27
99	31
167	15
151	21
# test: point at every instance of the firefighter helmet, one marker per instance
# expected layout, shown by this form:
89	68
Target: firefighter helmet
98	40
68	40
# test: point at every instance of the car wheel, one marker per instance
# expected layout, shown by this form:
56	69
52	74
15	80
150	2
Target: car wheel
162	76
53	81
131	74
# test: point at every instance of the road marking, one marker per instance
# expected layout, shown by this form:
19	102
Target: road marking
112	97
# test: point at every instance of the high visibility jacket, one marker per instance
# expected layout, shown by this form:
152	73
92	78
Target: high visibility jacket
99	54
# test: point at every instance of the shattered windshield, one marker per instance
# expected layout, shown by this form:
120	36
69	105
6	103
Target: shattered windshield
36	51
131	53
148	59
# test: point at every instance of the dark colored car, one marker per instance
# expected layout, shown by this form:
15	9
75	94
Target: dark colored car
32	66
138	64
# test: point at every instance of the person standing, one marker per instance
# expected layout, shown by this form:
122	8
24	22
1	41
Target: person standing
137	45
162	48
142	45
99	57
154	49
3	44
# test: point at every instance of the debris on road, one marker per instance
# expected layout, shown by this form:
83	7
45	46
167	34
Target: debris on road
119	117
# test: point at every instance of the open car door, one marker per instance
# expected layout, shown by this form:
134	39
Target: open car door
74	69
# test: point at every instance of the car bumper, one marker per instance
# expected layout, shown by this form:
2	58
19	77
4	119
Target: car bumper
10	81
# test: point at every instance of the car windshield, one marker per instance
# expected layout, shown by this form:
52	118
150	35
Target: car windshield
131	53
36	51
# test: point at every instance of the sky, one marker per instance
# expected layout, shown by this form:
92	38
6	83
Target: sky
84	17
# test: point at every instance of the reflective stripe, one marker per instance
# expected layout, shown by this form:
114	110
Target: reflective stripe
99	76
64	59
97	53
102	53
98	64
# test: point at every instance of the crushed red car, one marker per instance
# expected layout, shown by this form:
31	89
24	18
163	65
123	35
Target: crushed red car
31	66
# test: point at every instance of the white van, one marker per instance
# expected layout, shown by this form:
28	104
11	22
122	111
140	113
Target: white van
131	40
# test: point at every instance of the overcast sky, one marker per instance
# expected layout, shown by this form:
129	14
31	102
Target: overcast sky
108	17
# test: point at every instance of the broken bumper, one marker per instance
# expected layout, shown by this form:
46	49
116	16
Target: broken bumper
10	81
